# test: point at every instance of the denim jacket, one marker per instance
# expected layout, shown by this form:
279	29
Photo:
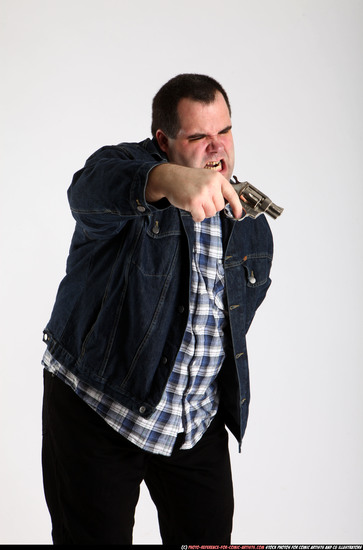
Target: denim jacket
121	310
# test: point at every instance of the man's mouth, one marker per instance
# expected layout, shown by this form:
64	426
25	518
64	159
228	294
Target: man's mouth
214	165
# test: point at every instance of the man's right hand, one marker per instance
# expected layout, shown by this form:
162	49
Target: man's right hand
200	191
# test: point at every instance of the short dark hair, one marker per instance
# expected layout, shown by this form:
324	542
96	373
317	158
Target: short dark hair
165	103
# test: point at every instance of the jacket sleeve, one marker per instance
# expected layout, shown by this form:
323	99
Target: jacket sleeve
110	189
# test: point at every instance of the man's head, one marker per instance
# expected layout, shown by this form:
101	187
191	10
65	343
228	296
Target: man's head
191	122
197	87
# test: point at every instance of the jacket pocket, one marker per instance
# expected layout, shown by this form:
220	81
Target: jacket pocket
257	279
156	246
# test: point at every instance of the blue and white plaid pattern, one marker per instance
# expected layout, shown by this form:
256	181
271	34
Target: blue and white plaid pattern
190	399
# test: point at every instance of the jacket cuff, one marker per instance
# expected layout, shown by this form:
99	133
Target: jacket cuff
138	201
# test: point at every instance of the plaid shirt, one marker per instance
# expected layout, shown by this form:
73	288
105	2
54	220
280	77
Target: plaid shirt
190	399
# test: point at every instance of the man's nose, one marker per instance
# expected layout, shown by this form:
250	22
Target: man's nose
215	144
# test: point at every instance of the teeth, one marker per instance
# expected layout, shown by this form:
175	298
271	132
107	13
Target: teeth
215	165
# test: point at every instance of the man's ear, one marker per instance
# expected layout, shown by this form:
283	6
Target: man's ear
163	141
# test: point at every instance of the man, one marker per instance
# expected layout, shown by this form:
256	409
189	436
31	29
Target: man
146	355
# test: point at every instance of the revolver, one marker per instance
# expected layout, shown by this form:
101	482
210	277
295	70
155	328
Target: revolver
253	201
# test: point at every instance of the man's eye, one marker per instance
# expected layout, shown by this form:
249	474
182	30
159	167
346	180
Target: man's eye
196	138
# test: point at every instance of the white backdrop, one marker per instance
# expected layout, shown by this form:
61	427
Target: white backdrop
79	74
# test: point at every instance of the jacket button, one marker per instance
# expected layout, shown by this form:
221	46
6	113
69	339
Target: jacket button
156	228
181	309
164	360
141	208
142	409
252	278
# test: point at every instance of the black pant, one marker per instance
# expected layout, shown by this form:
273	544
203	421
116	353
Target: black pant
92	477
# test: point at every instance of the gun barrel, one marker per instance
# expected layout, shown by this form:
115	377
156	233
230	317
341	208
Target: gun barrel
274	211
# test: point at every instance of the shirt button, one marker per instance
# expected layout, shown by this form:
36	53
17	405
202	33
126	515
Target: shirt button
142	409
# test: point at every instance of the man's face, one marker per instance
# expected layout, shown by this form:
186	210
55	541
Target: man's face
205	136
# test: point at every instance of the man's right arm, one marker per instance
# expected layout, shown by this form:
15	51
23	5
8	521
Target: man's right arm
110	189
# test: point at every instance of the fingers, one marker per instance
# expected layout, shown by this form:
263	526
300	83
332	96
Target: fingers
231	196
214	199
207	204
199	212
